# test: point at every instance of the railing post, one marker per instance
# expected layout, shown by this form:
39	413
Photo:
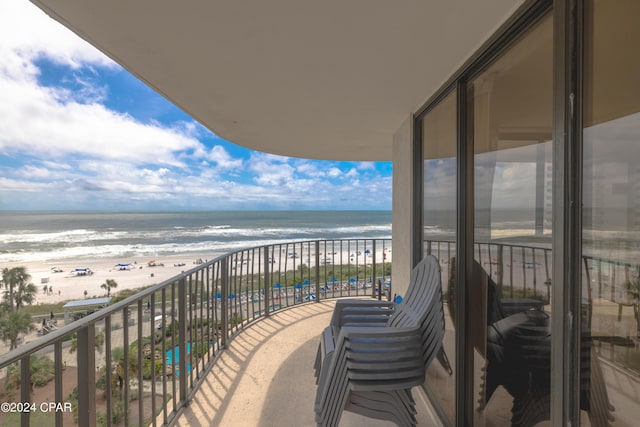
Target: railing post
374	279
500	268
25	387
141	363
107	365
87	376
125	343
317	243
224	283
182	338
267	280
57	360
524	272
535	267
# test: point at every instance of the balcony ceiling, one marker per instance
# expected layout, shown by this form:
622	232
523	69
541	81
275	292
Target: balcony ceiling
329	79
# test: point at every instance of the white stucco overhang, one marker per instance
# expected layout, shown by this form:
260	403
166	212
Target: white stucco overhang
329	79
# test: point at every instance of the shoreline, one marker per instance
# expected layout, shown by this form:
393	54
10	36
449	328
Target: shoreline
67	287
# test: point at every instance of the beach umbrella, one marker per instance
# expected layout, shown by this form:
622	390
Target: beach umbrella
333	280
277	286
306	282
352	280
298	286
218	296
367	251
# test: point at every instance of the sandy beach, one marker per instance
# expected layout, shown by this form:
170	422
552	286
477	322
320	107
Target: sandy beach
67	286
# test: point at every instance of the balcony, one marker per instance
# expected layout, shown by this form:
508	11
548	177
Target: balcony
142	360
264	377
232	341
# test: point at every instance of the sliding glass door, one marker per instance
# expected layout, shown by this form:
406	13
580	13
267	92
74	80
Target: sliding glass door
440	238
510	122
610	355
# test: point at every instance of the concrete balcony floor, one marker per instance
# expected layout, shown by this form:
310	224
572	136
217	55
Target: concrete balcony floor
265	377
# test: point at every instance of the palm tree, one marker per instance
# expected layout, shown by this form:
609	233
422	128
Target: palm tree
119	366
14	324
108	285
25	294
12	278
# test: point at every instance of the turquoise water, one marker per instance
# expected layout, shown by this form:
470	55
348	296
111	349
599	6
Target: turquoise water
176	363
176	351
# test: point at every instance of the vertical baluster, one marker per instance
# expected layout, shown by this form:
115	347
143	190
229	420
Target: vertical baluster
86	358
125	362
267	276
57	358
524	273
182	339
173	346
535	268
25	389
500	267
141	364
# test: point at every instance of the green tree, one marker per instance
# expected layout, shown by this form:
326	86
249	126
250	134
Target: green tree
41	370
12	278
120	366
25	294
14	324
108	285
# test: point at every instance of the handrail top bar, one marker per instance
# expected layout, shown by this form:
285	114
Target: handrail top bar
55	336
52	337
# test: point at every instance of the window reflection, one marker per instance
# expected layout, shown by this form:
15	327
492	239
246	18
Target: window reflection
611	213
509	295
439	147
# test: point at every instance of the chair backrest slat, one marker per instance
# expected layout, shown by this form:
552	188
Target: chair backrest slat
422	306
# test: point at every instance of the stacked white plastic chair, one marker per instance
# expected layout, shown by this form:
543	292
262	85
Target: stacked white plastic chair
373	353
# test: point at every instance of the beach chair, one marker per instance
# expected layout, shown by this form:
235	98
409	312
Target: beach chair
374	352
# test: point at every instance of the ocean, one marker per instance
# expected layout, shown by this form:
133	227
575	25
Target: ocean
52	236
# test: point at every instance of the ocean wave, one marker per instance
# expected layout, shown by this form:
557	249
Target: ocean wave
210	248
175	233
67	236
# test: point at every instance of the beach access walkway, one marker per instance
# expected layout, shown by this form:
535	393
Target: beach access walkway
265	377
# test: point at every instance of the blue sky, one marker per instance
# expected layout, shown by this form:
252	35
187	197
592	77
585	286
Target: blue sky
78	132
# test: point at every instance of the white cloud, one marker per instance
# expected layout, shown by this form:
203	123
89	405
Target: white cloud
34	172
22	185
32	120
57	123
223	159
308	168
334	172
366	166
63	148
353	173
26	29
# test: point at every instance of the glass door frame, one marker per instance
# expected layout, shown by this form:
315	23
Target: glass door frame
566	197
